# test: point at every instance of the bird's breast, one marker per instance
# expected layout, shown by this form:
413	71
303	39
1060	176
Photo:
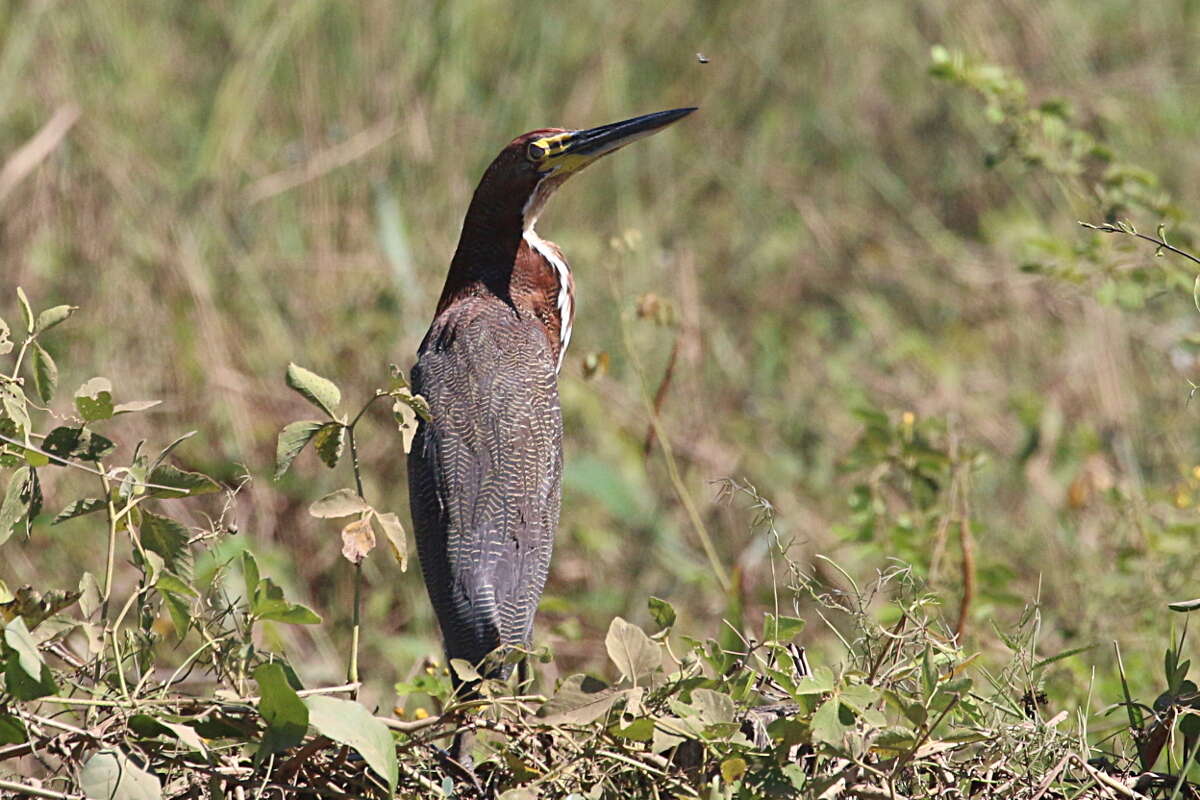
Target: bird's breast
542	282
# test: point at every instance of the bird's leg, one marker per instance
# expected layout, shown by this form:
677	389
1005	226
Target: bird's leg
460	750
524	675
458	761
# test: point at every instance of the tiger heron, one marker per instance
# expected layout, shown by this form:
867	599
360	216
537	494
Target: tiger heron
485	473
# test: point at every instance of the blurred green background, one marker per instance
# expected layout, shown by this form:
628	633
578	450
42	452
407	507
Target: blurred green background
257	182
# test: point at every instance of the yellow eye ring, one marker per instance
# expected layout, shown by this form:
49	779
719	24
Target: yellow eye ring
535	152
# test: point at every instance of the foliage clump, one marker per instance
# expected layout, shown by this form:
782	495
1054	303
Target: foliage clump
167	679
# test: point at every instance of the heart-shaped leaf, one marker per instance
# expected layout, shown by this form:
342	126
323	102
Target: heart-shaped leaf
351	724
111	775
93	400
635	654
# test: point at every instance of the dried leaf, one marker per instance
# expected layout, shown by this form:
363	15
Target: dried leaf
329	441
342	503
580	700
394	531
635	654
358	540
406	420
111	775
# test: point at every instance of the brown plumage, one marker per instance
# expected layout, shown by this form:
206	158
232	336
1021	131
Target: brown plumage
485	474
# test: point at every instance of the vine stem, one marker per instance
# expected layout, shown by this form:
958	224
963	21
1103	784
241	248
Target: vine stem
356	623
110	562
21	357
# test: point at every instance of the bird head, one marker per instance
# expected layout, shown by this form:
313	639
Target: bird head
534	164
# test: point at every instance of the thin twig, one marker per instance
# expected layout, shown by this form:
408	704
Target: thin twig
660	395
36	791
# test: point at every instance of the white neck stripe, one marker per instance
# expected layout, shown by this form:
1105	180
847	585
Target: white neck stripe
564	294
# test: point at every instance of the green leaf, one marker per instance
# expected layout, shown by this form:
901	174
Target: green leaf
6	343
12	400
16	502
732	769
77	509
859	697
178	611
147	726
35	459
173	590
1045	662
342	503
714	708
819	682
135	405
93	400
635	654
292	440
640	730
45	374
394	531
321	392
166	537
896	738
662	612
174	584
269	604
827	725
81	443
26	310
111	775
351	724
329	441
17	637
281	708
12	730
158	459
781	629
51	317
249	574
21	686
181	482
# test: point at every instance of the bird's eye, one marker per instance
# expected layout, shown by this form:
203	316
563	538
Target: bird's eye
536	152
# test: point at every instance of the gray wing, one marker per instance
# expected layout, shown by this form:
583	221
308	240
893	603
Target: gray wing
485	474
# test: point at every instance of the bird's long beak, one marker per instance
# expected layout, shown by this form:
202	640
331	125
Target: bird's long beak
571	151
